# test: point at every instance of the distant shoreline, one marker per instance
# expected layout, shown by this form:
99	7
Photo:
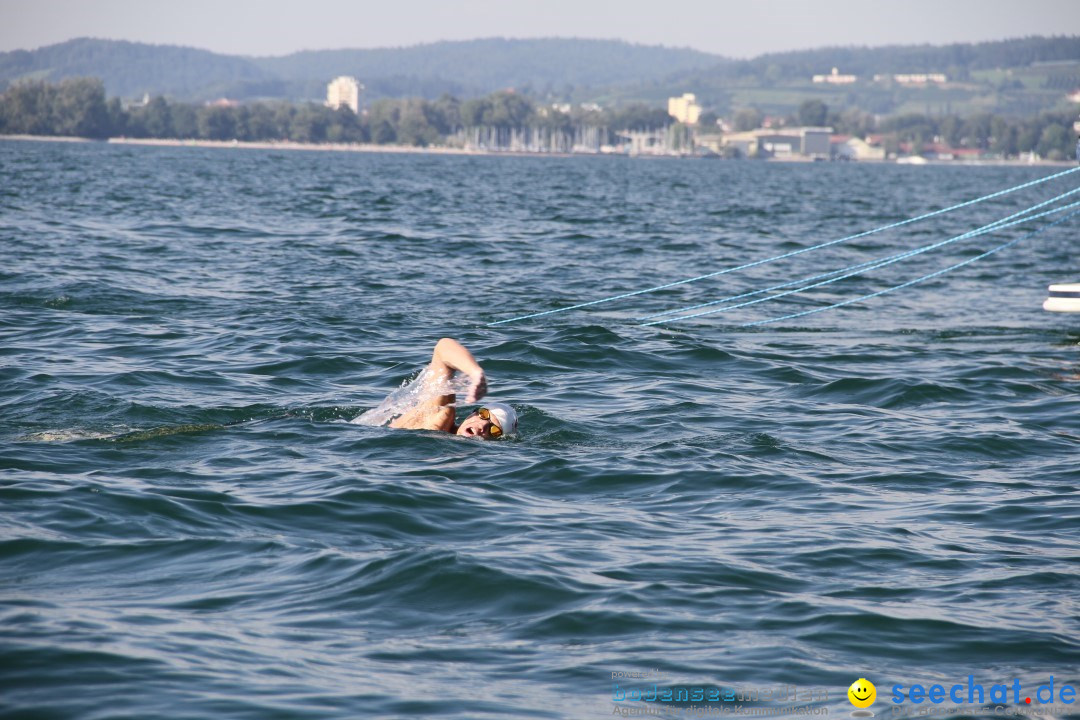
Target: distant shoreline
443	150
292	145
280	145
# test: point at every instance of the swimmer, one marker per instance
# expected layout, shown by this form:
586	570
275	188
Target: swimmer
436	412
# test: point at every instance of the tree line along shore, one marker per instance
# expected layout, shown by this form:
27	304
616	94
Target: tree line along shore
78	107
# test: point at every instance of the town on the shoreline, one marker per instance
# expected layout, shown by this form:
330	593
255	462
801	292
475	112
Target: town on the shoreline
509	122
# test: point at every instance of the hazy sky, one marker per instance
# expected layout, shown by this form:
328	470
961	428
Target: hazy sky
726	27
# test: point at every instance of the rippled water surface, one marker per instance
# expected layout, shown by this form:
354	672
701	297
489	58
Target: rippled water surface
192	528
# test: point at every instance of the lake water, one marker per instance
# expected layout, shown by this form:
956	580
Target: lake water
192	527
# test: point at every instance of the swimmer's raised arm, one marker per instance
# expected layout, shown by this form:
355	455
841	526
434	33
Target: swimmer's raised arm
437	412
450	355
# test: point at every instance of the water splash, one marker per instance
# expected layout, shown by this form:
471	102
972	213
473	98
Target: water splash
413	392
69	435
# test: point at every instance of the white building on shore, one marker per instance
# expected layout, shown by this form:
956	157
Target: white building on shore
835	78
344	91
684	109
915	78
788	142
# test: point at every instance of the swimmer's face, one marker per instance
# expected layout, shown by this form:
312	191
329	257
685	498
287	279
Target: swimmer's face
475	426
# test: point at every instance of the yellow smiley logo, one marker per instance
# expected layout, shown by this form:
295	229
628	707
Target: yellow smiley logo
862	693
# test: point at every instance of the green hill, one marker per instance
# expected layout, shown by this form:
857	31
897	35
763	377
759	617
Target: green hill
1018	77
132	69
468	68
474	67
956	59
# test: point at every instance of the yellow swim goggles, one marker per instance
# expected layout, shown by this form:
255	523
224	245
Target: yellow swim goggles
485	414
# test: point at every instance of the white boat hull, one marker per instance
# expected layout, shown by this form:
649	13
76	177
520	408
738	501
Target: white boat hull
1063	298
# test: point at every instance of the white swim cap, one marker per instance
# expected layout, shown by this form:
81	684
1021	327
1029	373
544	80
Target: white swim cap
504	416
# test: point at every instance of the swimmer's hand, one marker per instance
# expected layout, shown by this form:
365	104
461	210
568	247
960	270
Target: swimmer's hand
450	355
477	387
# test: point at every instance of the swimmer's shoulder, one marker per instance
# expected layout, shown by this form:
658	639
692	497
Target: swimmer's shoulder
436	414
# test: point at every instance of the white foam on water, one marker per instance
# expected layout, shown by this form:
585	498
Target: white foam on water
413	392
68	435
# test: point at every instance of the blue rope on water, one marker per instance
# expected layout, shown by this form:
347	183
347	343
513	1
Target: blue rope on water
879	263
788	254
858	268
909	283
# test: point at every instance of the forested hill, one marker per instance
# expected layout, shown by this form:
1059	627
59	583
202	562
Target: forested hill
957	60
131	69
543	66
561	69
474	67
